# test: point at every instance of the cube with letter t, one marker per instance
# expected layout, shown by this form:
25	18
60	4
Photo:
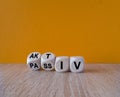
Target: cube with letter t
48	61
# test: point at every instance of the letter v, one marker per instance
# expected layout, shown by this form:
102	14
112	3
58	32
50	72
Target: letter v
77	66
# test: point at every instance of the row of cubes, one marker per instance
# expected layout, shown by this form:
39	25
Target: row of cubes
48	61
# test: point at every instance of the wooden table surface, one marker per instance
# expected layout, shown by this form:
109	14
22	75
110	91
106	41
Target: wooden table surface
98	80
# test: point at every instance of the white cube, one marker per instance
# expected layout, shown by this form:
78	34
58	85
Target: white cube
33	60
48	61
62	64
76	64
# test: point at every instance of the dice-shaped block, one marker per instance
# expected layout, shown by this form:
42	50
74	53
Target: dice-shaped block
34	60
76	64
62	64
48	61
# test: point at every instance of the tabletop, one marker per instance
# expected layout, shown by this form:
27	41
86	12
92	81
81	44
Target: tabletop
98	80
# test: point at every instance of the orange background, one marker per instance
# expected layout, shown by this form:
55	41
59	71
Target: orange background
90	28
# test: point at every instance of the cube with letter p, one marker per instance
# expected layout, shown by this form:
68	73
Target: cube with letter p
33	60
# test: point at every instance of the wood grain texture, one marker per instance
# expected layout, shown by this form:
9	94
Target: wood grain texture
98	80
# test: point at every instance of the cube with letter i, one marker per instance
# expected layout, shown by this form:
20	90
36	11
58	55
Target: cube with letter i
62	64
